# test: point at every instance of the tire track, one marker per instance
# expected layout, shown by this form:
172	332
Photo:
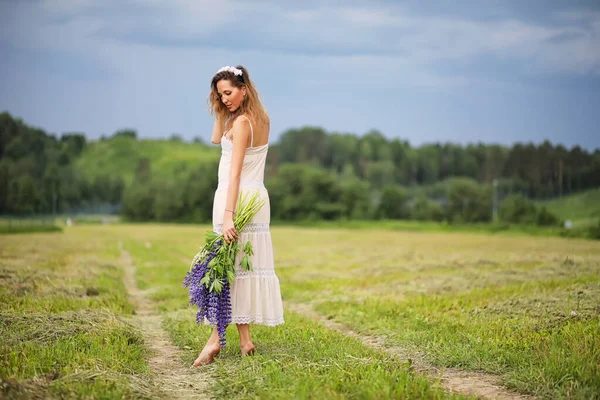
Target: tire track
172	378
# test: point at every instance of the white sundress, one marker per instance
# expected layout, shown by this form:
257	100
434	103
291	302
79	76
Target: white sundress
255	295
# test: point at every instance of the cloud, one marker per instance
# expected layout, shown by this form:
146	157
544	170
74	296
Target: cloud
147	63
570	46
320	30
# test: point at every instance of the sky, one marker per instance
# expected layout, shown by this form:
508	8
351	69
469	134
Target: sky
494	71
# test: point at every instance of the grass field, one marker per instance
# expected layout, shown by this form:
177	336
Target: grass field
119	156
25	225
581	208
522	311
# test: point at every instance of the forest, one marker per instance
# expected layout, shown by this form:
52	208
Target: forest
311	174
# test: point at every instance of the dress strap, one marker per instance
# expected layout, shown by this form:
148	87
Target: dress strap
251	131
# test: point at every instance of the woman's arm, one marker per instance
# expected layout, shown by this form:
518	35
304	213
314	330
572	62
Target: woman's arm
217	132
241	137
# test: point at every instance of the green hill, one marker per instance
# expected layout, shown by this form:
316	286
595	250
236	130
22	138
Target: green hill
582	208
119	156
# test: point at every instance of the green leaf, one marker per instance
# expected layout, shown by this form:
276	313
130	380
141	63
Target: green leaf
204	281
244	263
218	285
248	248
210	236
212	263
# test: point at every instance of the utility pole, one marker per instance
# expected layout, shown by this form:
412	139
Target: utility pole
54	203
495	201
560	178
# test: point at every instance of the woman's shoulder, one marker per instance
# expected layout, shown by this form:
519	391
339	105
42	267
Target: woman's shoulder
242	120
254	119
246	121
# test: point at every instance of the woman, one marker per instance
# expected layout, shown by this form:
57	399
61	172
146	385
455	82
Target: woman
242	128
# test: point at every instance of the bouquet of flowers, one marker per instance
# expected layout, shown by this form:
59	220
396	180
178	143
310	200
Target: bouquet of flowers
213	269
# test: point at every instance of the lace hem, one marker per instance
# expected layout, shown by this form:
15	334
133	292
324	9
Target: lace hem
255	273
253	227
253	319
256	319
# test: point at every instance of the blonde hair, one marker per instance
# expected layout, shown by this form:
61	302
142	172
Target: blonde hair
251	106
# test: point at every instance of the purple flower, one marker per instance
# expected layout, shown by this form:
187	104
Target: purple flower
212	306
209	288
224	313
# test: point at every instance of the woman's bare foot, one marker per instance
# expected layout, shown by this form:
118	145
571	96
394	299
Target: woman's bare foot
207	355
248	349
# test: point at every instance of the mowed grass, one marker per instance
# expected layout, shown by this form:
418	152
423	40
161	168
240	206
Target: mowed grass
63	324
524	308
300	359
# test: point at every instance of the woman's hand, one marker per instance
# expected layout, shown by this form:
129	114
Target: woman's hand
229	232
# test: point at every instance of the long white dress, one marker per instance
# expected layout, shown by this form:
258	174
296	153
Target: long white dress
255	295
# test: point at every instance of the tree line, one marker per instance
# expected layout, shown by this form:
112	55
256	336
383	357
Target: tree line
37	175
311	174
537	171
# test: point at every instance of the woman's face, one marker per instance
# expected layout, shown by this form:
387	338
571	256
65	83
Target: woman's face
230	95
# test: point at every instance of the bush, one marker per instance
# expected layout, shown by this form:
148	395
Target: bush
138	202
518	209
425	209
330	211
546	218
594	231
393	203
468	201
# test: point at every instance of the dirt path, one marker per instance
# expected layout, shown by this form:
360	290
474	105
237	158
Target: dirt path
469	383
175	380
